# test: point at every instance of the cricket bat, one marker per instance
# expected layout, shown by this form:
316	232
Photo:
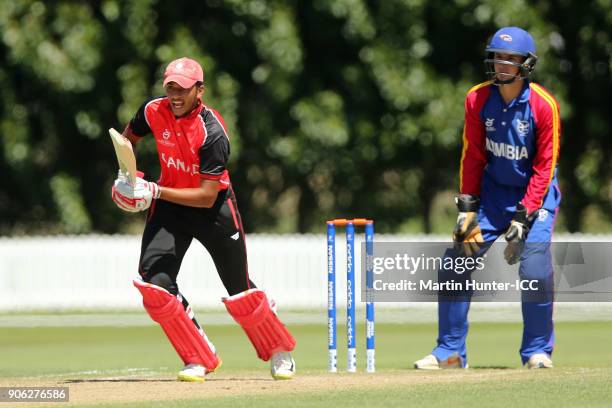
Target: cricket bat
125	155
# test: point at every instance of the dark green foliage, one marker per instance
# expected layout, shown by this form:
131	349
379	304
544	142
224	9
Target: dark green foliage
335	107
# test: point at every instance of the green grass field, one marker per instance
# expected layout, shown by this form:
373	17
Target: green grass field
135	367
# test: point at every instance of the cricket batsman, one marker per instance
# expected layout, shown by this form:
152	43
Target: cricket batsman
194	198
508	186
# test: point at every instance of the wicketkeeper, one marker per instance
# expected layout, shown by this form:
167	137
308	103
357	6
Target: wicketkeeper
193	198
508	186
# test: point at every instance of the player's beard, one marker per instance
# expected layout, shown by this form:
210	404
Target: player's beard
503	78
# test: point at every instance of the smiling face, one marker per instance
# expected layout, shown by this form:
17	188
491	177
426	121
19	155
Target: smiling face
183	100
507	71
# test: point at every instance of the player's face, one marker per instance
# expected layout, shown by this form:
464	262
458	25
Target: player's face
506	71
183	100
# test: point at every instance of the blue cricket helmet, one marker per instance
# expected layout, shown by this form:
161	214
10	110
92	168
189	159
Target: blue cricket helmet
511	40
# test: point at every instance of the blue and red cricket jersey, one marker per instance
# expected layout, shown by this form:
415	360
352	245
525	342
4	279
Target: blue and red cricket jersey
515	145
510	154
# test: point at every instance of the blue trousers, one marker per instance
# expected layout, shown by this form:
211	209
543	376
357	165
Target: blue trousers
536	263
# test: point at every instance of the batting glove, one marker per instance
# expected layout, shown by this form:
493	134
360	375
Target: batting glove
121	191
467	235
134	198
144	185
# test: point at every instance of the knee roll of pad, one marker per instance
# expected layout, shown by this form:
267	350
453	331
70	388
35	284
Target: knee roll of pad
191	345
251	310
163	280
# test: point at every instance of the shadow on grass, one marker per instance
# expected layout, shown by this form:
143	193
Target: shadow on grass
491	367
154	380
115	380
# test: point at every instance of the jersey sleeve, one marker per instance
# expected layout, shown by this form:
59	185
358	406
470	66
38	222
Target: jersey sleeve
473	155
139	124
548	133
213	159
215	151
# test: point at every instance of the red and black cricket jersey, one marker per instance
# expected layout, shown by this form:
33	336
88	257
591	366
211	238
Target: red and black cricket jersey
190	148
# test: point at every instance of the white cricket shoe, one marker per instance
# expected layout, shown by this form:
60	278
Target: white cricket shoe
430	362
282	366
540	360
192	373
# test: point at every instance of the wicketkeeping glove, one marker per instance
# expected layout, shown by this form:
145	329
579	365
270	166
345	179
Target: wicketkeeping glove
467	235
517	234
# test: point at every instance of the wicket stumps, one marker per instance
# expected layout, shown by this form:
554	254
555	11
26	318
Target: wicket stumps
350	294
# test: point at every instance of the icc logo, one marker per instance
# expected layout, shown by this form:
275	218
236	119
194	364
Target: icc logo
522	127
166	134
506	37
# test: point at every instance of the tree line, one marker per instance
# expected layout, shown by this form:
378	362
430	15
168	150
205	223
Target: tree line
335	108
